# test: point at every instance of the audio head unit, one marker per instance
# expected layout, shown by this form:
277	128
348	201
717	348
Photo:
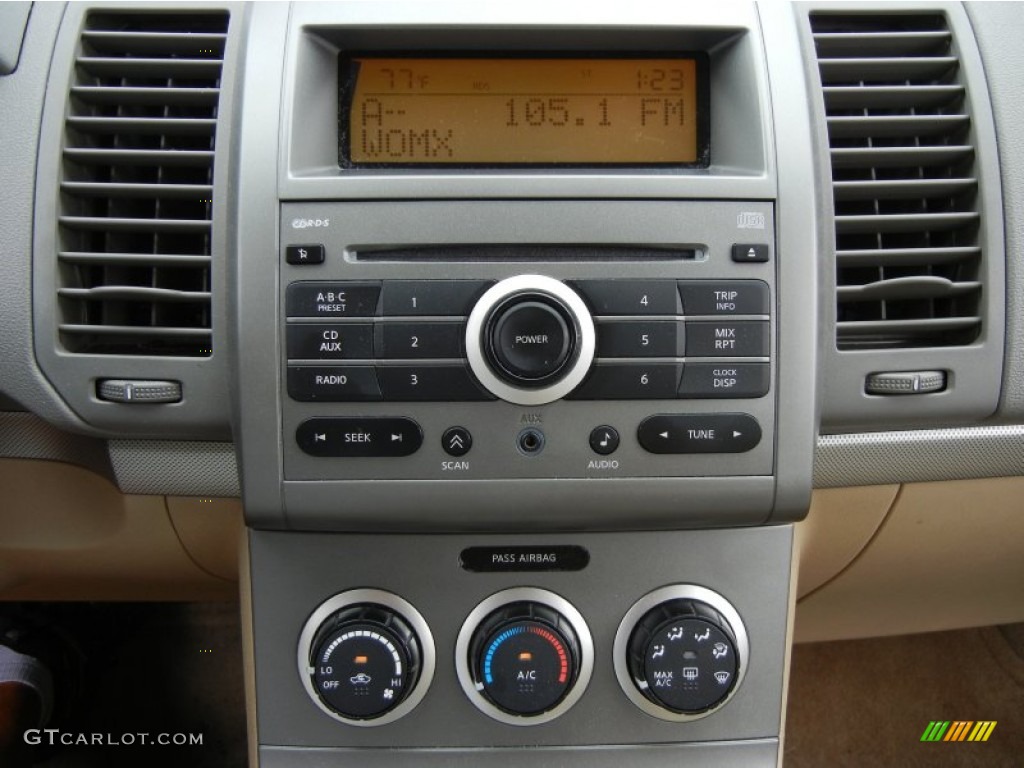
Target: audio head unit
528	341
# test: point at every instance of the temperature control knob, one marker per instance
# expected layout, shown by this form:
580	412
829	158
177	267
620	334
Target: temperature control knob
366	661
680	652
526	659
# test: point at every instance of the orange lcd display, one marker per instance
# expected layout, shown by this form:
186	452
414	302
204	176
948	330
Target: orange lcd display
521	111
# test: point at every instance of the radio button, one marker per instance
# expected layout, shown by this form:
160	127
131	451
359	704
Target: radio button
640	338
742	338
699	433
639	381
726	297
431	297
349	383
405	341
630	297
332	300
701	380
437	383
363	437
336	341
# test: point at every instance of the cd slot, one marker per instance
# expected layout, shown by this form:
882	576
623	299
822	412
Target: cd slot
528	253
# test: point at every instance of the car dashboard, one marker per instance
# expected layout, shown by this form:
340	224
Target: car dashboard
534	375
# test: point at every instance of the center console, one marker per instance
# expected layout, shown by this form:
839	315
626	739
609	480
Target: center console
526	318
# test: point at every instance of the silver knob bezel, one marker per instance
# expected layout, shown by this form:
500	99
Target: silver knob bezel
517	595
428	661
583	325
620	649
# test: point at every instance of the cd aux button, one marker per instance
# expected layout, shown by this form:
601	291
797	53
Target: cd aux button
334	341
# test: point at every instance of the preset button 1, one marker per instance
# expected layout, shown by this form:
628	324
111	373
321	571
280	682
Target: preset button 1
363	437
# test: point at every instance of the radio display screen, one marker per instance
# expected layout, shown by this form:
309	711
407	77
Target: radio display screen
468	111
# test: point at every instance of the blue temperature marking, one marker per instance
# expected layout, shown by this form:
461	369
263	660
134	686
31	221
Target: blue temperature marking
488	677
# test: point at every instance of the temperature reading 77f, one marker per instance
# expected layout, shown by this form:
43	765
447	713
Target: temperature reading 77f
404	78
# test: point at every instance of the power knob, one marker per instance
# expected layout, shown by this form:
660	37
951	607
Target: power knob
530	339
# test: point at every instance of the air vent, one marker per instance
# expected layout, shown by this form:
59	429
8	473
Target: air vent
136	187
908	260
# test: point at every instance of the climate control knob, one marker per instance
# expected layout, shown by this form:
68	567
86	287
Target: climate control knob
366	662
530	339
526	660
680	654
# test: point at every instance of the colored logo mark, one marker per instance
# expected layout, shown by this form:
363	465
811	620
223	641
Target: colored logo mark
958	730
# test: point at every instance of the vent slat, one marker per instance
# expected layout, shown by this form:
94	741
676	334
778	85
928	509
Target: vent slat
891	96
905	329
94	94
140	157
102	224
905	257
923	222
133	293
135	259
907	289
116	189
144	125
881	44
170	68
895	126
902	189
903	180
139	331
150	43
896	69
901	157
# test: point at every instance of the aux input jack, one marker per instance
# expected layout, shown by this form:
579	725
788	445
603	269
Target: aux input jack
530	441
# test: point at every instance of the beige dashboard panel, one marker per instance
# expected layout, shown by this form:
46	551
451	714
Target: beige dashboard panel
948	555
69	534
209	529
839	525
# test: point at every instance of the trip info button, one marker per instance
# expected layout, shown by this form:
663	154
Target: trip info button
366	437
699	433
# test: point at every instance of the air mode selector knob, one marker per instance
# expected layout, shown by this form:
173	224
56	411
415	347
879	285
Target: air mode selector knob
683	657
530	339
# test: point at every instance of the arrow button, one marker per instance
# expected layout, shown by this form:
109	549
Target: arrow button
456	441
674	433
